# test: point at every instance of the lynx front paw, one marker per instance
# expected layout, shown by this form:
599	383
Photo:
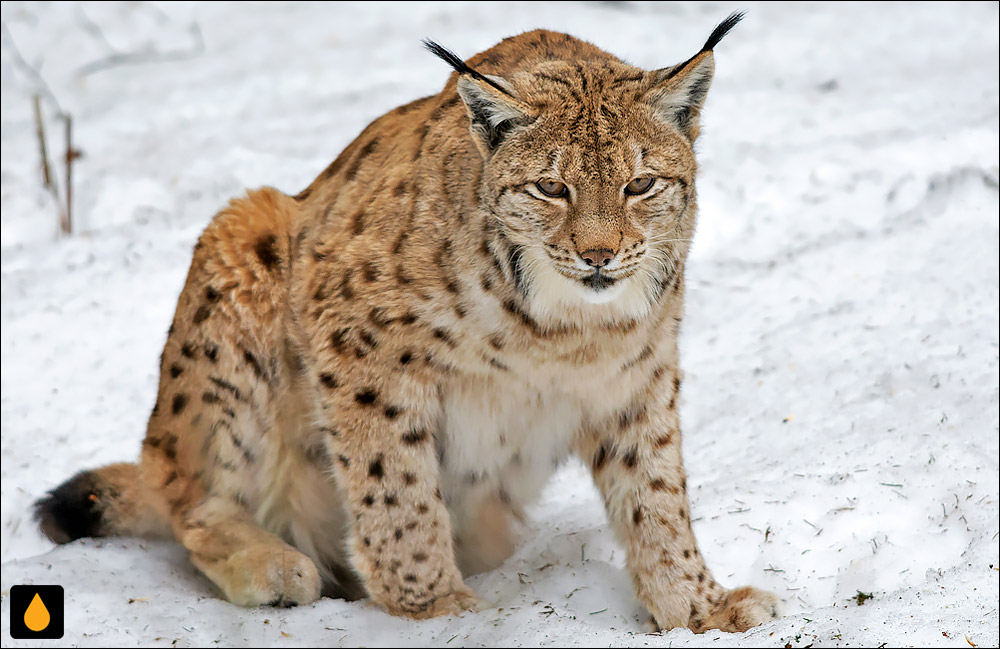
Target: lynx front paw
261	576
420	606
742	609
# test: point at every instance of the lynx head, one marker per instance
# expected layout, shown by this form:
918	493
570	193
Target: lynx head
588	173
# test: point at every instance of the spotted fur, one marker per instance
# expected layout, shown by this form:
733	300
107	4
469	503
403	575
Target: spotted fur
365	384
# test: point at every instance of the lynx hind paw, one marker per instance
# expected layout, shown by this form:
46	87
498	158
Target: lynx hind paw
265	577
742	609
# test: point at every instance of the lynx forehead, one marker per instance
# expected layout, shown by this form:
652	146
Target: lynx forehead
365	384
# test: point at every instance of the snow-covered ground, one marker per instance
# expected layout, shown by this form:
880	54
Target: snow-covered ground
841	342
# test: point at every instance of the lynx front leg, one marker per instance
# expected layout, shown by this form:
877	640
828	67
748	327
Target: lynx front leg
636	463
400	539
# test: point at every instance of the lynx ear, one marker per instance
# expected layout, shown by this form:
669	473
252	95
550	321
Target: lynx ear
679	91
490	101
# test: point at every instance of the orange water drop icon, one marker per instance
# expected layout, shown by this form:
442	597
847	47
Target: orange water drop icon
37	616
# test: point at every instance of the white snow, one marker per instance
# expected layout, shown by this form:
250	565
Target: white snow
841	340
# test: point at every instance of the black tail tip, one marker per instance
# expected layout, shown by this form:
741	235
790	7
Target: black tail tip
722	29
72	510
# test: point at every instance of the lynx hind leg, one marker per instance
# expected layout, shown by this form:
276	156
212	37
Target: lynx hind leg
214	429
252	567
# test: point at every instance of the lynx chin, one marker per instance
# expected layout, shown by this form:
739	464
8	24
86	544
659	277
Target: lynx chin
365	384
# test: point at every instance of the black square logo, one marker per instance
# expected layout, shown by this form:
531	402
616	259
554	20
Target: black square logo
36	612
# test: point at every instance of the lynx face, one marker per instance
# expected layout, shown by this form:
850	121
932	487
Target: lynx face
590	172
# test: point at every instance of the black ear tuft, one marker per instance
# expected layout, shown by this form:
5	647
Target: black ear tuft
447	56
722	29
491	103
458	64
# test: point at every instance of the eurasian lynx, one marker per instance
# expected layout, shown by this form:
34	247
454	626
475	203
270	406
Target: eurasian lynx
364	383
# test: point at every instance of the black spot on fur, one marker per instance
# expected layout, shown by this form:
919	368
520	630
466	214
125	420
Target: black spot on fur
378	317
212	295
631	416
329	380
177	405
251	360
201	314
496	363
188	350
631	458
366	151
366	397
400	242
176	370
338	340
212	351
601	456
267	252
445	336
486	283
170	447
358	222
227	386
368	338
405	358
415	436
345	288
375	469
333	167
401	275
514	254
392	412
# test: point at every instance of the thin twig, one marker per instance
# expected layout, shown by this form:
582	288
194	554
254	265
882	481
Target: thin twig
47	177
71	155
151	56
40	132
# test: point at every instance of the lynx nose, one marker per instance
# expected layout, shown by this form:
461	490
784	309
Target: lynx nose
597	258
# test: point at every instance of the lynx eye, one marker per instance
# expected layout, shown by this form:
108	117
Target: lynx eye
639	186
552	188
